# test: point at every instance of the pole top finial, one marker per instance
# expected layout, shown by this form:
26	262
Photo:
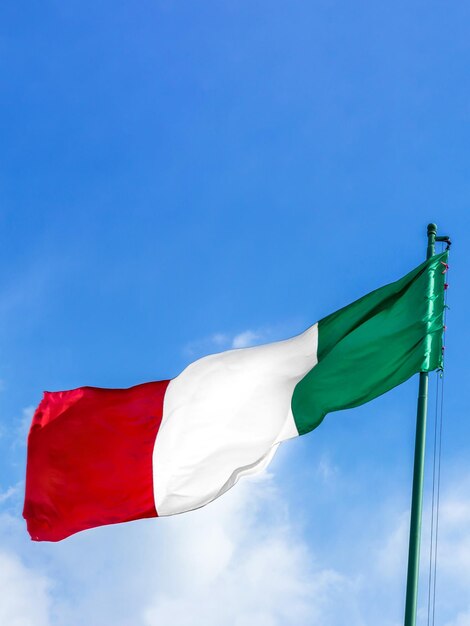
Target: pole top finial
432	229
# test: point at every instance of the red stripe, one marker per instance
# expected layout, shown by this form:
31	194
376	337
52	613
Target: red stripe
90	459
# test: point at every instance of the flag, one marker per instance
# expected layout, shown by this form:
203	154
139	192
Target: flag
103	456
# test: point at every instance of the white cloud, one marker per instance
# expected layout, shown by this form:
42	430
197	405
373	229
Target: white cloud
462	619
249	337
10	492
245	339
326	470
24	424
392	551
453	565
25	599
240	561
237	565
213	343
223	341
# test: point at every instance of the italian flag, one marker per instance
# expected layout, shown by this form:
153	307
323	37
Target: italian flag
103	456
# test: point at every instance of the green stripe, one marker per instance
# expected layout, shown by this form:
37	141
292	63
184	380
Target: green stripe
374	344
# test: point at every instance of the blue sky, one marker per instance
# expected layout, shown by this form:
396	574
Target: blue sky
178	178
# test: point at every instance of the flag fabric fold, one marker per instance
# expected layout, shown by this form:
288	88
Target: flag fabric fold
103	456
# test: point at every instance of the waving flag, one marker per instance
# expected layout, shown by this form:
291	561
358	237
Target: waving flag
103	456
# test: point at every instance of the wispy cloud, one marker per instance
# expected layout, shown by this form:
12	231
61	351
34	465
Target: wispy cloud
252	567
462	619
241	560
326	470
10	492
25	596
224	341
23	423
218	341
246	338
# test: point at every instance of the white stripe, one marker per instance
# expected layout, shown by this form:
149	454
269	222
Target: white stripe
223	417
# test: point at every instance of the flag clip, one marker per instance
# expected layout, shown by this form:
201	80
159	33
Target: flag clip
446	267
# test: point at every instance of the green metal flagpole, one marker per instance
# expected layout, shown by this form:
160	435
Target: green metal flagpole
418	476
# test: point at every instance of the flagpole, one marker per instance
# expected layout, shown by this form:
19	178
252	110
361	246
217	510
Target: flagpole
418	479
